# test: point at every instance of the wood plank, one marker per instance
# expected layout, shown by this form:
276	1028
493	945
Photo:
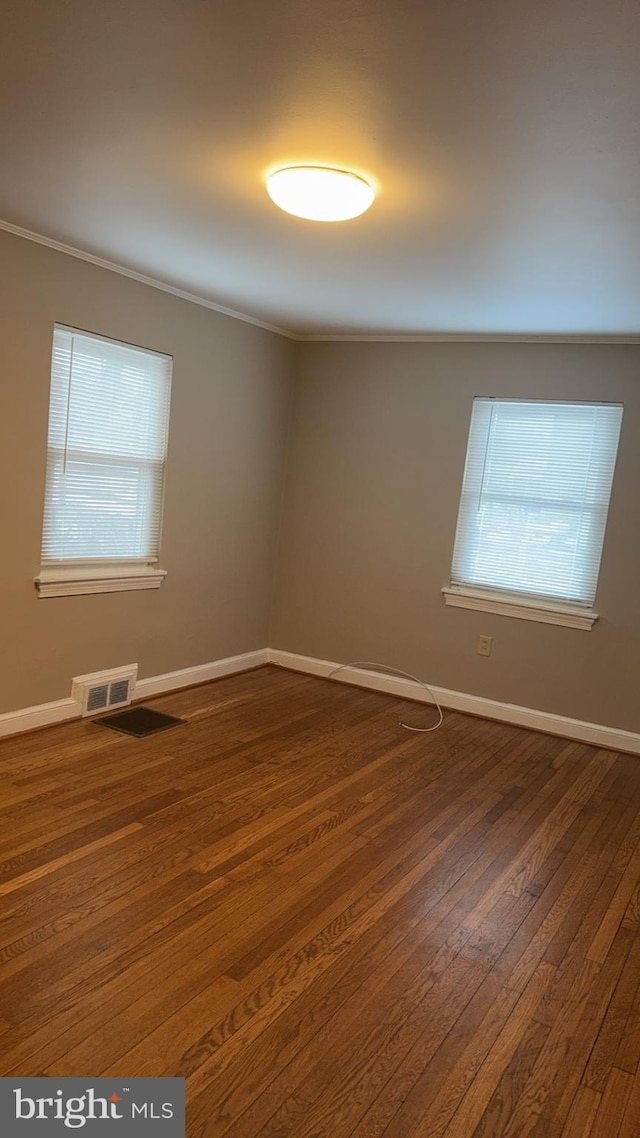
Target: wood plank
612	1109
582	1115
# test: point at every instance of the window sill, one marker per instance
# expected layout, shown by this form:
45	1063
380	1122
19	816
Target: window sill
75	581
506	605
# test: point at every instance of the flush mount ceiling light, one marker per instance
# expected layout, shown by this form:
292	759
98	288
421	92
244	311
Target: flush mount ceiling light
319	193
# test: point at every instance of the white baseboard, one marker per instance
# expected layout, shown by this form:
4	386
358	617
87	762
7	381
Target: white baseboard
200	674
42	715
594	733
46	714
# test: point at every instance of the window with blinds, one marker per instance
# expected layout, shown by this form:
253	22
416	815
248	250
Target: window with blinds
108	425
535	497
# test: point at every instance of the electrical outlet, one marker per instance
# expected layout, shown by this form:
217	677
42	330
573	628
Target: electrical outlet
484	645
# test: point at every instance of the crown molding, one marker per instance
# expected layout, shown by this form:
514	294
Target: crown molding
153	282
321	337
470	338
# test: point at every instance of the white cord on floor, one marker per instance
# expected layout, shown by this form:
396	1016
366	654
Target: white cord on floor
370	666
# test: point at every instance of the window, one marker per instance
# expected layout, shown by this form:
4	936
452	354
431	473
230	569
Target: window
108	423
533	510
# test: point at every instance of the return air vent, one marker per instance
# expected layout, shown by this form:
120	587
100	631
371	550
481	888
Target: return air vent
100	691
119	692
97	698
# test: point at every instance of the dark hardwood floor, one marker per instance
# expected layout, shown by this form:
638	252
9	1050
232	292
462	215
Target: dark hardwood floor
328	925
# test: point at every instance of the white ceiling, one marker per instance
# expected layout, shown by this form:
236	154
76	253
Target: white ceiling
503	135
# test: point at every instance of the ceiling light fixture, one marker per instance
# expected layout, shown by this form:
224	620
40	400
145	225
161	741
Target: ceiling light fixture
319	193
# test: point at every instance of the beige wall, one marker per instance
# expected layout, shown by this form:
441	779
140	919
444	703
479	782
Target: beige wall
229	415
376	454
379	438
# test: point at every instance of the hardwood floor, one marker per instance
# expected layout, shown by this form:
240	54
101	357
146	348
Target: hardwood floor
329	926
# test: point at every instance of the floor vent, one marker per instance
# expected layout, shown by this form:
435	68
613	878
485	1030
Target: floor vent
100	691
139	721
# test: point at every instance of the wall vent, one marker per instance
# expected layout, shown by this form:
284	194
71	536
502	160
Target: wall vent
100	691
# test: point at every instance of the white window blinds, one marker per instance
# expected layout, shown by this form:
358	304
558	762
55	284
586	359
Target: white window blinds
108	423
535	496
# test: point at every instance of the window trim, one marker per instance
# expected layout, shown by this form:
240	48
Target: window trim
503	600
69	577
77	580
539	609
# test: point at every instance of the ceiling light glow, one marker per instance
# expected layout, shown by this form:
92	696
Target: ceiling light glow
319	193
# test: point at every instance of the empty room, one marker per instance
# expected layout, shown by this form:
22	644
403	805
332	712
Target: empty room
319	682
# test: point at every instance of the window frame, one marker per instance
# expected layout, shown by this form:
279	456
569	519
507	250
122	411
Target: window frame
512	602
78	576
